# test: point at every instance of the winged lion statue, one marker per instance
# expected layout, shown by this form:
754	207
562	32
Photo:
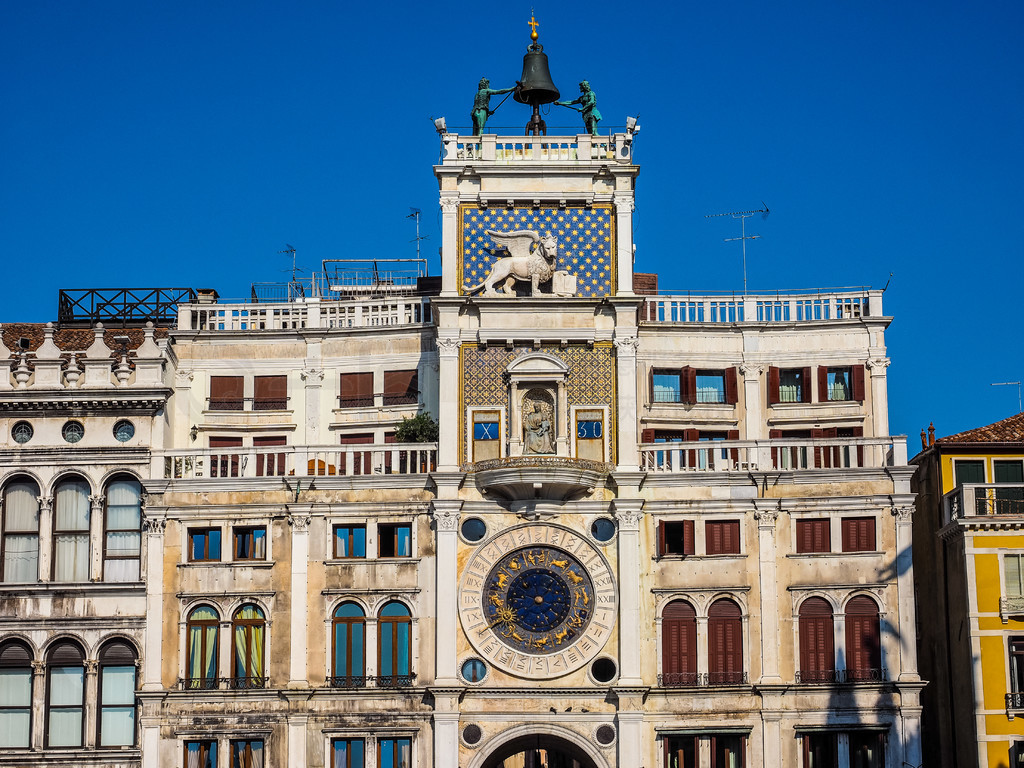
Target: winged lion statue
531	257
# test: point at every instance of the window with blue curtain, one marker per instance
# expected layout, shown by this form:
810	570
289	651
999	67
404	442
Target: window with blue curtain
247	753
395	753
200	754
349	541
117	695
348	753
15	695
349	646
248	628
65	695
201	653
395	637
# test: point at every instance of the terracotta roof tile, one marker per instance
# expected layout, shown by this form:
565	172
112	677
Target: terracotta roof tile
1010	430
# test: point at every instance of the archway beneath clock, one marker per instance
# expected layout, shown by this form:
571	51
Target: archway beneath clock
539	746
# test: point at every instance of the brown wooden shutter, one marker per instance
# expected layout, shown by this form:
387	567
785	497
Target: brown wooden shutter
822	384
691	436
117	653
688	385
270	392
356	390
713	537
805	386
773	385
401	387
269	464
812	536
688	538
224	465
863	646
817	434
661	538
734	454
859	432
858	382
679	644
725	642
650	385
65	655
775	434
226	393
858	534
817	645
647	436
15	654
731	386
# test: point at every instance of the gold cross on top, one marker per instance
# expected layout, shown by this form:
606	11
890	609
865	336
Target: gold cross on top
533	23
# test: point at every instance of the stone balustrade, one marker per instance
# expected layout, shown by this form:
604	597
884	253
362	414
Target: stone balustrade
500	150
766	308
310	313
982	499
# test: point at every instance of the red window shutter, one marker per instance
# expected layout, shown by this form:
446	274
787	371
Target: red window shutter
225	442
775	434
661	537
356	390
863	647
858	534
817	647
226	393
731	386
224	465
650	385
688	537
822	384
691	436
679	643
858	382
688	385
859	432
714	537
270	392
269	464
817	434
773	385
647	436
400	387
734	454
831	454
805	386
731	537
725	642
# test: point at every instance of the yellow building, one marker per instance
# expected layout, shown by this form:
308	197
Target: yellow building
969	570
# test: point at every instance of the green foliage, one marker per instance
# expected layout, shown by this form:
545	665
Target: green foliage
421	428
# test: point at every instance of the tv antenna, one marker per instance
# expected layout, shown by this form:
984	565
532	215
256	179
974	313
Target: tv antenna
743	216
414	213
293	284
1010	384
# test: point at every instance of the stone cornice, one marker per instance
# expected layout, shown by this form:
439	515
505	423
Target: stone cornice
84	402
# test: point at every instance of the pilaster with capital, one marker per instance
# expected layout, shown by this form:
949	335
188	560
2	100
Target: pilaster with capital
91	694
45	532
299	520
448	416
624	205
904	514
446	514
767	513
754	417
449	243
626	345
154	528
38	703
628	514
313	382
96	537
879	395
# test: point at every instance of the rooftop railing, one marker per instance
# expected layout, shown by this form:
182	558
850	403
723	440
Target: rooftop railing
312	313
796	307
777	454
510	149
983	499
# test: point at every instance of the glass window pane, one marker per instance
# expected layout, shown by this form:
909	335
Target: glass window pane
118	686
65	727
403	648
21	507
121	570
72	506
21	557
387	629
1011	567
403	544
66	686
117	726
14	728
124	544
71	558
15	687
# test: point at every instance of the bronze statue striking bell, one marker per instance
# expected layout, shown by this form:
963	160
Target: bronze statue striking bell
536	87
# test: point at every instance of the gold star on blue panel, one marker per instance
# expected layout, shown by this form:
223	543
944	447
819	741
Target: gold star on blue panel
584	242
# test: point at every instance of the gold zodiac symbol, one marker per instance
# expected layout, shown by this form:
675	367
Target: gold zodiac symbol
560	636
574	577
560	563
541	642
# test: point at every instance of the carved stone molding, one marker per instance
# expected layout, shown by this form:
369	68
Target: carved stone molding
766	518
904	513
299	522
45	503
312	376
627	345
446	519
629	516
751	370
39	668
449	204
154	525
879	362
97	501
183	378
448	347
91	666
624	203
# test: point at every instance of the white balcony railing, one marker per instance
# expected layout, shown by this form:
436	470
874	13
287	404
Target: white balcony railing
982	499
801	307
299	461
581	149
769	455
312	313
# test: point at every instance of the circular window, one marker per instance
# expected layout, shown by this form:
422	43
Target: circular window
472	734
473	529
605	734
22	432
124	431
604	670
72	432
602	529
473	670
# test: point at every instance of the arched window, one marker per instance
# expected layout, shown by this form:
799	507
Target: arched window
863	640
21	531
65	672
349	646
679	644
394	645
122	534
71	531
248	628
116	721
817	648
725	643
201	658
15	695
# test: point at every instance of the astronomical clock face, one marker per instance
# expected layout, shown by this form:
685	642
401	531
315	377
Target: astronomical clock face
538	601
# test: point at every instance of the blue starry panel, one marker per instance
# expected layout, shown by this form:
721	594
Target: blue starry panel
586	242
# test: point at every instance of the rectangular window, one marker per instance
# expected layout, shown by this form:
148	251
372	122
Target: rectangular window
21	532
486	435
71	532
681	751
394	753
1014	575
710	386
348	753
722	537
349	541
590	435
117	706
250	543
122	540
1017	665
867	749
1009	501
840	383
356	390
270	393
727	751
226	393
969	471
203	544
839	388
675	537
813	536
401	388
858	534
394	540
269	463
792	385
67	686
665	386
200	754
820	750
224	464
16	706
247	753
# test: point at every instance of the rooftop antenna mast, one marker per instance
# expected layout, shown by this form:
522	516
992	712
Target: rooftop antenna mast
414	213
743	216
293	284
1010	384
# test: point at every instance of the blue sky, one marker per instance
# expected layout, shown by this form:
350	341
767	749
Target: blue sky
183	144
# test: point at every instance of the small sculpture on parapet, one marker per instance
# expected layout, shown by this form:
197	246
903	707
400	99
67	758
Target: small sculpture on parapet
482	103
587	101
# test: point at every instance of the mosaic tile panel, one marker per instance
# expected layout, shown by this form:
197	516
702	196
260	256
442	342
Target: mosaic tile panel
591	381
586	242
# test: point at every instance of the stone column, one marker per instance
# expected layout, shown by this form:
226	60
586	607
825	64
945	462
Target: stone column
96	538
879	396
768	589
45	536
297	741
449	243
624	242
446	524
314	380
299	521
91	702
446	727
448	403
631	725
906	606
150	742
628	458
153	574
839	642
629	512
771	734
38	704
702	645
753	426
370	652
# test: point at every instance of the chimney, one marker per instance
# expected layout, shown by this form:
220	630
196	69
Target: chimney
924	440
931	434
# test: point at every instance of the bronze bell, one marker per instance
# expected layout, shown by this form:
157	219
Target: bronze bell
535	87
